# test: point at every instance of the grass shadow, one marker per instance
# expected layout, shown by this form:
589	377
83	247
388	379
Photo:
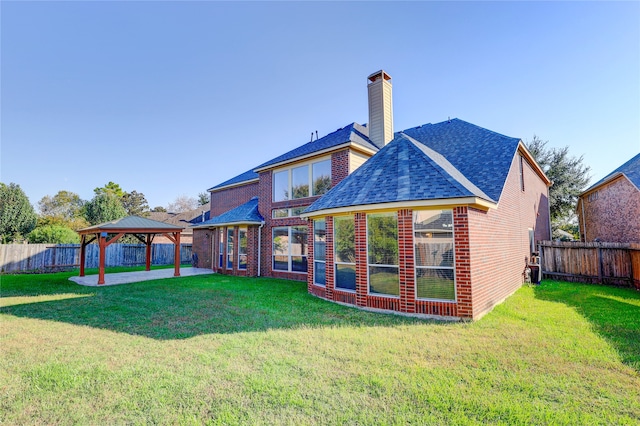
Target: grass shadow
180	308
613	312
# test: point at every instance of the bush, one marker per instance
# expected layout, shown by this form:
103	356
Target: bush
53	234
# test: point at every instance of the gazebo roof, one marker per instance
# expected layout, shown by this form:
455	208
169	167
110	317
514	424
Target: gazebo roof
131	225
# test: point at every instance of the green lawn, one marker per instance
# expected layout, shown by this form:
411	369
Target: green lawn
224	350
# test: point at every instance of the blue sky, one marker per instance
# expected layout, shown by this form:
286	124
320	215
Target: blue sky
172	98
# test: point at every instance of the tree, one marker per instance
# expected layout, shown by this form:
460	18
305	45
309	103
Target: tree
159	209
111	188
135	203
103	208
64	209
183	203
568	174
53	234
17	217
203	198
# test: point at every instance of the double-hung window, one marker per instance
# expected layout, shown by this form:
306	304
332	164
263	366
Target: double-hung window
434	254
242	248
229	248
307	180
221	248
344	250
290	248
319	252
382	250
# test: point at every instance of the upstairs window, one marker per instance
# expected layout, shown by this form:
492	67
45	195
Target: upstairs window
308	180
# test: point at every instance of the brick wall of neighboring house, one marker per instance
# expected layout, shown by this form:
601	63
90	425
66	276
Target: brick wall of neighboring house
499	238
611	213
227	199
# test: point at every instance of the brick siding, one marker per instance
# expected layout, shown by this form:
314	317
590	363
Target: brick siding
614	216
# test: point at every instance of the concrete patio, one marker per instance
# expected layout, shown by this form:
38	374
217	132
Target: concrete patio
134	277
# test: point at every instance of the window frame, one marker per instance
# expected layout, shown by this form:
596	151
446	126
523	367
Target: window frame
289	173
315	252
289	255
243	230
335	253
230	244
221	248
376	265
419	267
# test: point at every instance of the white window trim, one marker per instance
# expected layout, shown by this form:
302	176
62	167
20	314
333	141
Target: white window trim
369	293
289	255
289	211
246	235
416	267
289	170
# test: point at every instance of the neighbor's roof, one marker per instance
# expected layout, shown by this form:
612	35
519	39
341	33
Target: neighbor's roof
131	223
246	213
631	169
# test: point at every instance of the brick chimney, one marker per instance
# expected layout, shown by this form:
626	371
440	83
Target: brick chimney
380	108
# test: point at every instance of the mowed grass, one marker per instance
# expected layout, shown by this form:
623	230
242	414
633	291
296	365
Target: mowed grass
223	350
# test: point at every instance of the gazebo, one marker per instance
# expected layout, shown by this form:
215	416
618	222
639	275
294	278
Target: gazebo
141	228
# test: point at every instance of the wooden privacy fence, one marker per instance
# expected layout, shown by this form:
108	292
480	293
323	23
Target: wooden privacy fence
49	257
601	263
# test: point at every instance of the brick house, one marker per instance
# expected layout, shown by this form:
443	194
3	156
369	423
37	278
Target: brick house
609	210
437	220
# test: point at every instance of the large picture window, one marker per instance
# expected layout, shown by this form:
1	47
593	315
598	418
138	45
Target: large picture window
344	252
307	180
242	248
290	248
229	248
433	242
382	251
319	252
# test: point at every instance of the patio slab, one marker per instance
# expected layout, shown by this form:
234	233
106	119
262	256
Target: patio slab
134	277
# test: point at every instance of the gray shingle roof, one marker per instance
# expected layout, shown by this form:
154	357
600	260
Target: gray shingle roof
243	177
246	213
354	132
436	161
631	169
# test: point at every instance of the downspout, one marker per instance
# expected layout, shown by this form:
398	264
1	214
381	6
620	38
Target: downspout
259	246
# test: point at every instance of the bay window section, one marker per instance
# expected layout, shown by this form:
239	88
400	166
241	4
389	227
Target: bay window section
319	252
321	177
434	255
290	248
281	186
300	182
382	251
242	248
344	252
229	248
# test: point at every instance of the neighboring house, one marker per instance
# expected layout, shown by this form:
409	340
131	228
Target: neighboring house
609	210
437	220
184	219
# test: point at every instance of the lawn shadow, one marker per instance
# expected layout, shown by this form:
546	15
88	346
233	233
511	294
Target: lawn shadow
180	308
613	312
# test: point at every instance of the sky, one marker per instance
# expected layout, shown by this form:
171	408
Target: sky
172	98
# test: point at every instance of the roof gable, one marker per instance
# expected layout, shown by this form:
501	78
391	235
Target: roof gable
482	156
631	169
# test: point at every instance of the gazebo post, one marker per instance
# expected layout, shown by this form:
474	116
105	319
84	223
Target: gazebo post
148	252
83	248
103	249
176	260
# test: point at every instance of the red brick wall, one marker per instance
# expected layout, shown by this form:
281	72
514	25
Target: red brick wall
499	238
614	216
227	199
339	166
202	247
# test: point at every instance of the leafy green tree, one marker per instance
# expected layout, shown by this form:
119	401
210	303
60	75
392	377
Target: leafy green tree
159	209
568	174
64	209
17	217
203	198
53	234
110	188
103	208
135	203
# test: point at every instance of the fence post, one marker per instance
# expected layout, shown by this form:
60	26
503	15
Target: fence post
599	257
